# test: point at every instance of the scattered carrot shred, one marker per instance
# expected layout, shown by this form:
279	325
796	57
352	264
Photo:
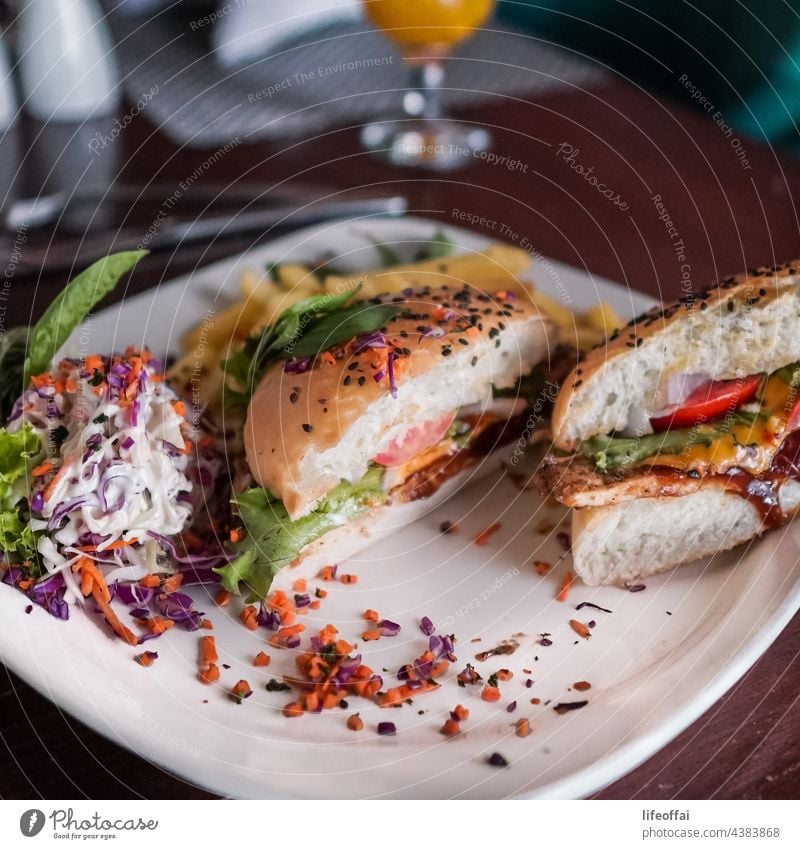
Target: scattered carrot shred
208	651
483	537
150	581
542	567
223	598
372	634
241	690
327	573
504	674
490	694
355	722
262	659
450	728
249	616
460	713
565	585
523	728
371	615
349	579
580	629
300	585
210	675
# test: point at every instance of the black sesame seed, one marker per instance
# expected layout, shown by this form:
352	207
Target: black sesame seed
362	380
293	398
307	428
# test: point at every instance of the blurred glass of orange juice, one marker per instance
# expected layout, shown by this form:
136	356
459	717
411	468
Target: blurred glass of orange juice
415	23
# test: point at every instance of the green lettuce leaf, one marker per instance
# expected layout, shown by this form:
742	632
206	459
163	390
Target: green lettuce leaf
305	329
17	539
614	452
18	451
273	540
25	351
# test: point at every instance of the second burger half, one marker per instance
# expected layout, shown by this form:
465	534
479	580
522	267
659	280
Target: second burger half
680	437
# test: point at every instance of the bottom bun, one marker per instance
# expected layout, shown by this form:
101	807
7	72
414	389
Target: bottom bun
634	539
380	522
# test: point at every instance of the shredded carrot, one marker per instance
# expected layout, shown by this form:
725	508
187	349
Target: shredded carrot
320	593
504	674
180	408
450	728
249	617
565	585
208	624
490	694
159	624
542	567
371	615
293	709
113	620
241	690
223	597
373	634
483	537
42	469
261	659
300	585
327	573
145	658
53	482
523	728
25	584
150	581
291	631
580	629
460	713
355	722
210	675
234	535
208	651
173	582
349	579
328	358
314	605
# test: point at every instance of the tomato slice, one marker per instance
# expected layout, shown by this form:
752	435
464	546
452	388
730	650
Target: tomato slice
416	440
708	402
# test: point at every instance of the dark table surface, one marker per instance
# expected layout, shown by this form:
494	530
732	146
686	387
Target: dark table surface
730	215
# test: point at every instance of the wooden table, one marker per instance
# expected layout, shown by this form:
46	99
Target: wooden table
728	214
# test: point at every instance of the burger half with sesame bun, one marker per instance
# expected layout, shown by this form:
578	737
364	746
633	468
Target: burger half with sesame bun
362	415
680	437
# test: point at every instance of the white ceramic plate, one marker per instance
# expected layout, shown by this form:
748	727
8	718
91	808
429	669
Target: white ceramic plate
655	664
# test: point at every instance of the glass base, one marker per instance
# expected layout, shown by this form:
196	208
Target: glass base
434	144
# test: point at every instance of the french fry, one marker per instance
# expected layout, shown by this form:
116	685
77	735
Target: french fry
297	276
602	317
495	269
563	317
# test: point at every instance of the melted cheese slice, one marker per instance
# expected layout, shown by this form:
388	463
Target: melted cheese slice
745	446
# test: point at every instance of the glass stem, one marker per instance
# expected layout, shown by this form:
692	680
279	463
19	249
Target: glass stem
424	99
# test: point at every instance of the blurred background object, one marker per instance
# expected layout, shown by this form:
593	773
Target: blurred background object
741	60
425	33
261	71
70	93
